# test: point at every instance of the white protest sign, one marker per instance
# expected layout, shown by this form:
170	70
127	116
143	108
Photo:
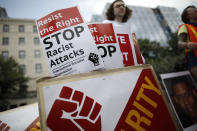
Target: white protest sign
107	44
113	100
19	119
67	43
128	46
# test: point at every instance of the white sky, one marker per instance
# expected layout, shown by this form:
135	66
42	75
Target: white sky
34	9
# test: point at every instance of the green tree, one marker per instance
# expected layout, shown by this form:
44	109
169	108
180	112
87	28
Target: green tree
12	81
164	59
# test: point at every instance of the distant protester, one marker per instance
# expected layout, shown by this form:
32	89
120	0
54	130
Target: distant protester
187	38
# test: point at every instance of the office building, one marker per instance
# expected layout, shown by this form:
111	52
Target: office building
20	40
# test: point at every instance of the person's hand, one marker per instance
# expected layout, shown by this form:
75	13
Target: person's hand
4	126
73	111
192	45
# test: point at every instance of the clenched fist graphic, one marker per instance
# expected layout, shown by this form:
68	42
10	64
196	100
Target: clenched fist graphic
74	112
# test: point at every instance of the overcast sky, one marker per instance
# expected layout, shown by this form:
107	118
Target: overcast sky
34	9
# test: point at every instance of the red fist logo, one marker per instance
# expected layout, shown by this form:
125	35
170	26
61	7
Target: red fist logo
74	112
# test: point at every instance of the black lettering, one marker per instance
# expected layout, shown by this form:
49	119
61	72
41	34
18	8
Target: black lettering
111	49
66	58
60	50
49	54
52	63
75	53
71	45
65	34
78	30
61	59
70	55
81	51
56	37
57	61
67	47
55	52
104	51
47	42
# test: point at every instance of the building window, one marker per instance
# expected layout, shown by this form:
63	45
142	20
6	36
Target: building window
35	29
5	54
5	41
5	28
37	53
38	68
21	28
21	40
22	68
21	54
36	40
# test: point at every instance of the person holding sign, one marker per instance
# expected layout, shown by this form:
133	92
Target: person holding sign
187	36
118	14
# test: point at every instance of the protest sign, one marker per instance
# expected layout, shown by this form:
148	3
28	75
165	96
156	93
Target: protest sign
182	95
107	44
128	46
123	99
20	119
67	43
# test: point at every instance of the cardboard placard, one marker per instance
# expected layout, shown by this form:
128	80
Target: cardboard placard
20	119
107	44
128	46
67	43
119	99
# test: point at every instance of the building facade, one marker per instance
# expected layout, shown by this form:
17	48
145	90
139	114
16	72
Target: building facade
155	24
19	39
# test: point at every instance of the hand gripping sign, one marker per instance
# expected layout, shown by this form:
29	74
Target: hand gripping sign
67	43
124	99
107	45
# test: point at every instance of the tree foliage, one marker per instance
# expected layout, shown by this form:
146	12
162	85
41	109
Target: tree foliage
12	80
164	59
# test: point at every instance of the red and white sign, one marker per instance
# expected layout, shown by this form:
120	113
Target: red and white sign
121	99
67	43
107	44
128	46
22	118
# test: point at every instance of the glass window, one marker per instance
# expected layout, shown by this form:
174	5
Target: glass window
5	28
22	68
21	28
5	41
21	40
38	68
5	54
36	40
35	28
37	53
21	54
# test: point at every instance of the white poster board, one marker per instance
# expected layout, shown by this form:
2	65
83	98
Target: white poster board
18	119
118	99
67	43
107	44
